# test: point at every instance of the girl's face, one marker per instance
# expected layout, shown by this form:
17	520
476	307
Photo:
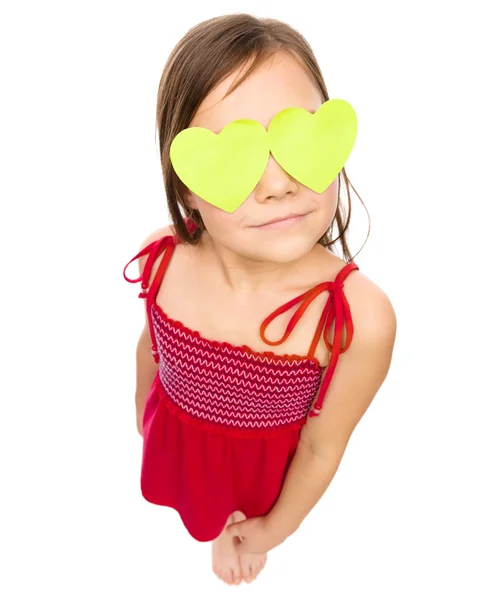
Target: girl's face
280	83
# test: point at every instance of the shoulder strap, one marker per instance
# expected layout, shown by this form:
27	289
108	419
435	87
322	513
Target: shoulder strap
167	244
336	309
344	272
153	249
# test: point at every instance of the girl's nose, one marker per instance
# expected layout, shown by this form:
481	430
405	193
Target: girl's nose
275	182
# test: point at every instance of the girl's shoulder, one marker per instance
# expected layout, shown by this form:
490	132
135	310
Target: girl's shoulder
153	237
372	311
369	305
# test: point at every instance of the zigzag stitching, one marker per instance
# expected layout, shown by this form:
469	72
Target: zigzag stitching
228	363
253	391
205	367
227	405
209	383
184	358
232	407
246	387
206	345
231	422
207	364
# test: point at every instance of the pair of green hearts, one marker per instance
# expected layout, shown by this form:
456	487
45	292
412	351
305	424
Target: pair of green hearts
224	169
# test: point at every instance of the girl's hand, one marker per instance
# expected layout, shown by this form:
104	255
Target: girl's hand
256	536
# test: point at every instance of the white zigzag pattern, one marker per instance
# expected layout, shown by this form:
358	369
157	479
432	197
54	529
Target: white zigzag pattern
202	362
248	382
243	415
191	394
222	404
185	340
232	421
178	350
230	387
246	392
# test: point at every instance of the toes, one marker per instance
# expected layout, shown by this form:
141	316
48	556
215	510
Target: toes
226	576
251	566
236	575
247	573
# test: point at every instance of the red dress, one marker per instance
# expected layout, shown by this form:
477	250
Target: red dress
221	422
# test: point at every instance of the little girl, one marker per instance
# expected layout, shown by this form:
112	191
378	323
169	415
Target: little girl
241	441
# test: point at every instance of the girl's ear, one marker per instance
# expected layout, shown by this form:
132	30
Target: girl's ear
190	200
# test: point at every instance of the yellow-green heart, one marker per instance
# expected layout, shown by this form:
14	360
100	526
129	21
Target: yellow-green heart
224	169
313	148
221	169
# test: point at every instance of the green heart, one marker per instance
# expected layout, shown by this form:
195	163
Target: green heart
222	169
314	148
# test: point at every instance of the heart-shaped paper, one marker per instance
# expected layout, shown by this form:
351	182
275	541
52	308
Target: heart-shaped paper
221	169
313	148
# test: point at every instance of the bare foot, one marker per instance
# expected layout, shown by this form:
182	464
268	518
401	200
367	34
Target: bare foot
230	566
251	564
224	559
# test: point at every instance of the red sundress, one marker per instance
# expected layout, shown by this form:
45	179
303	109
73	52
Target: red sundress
221	422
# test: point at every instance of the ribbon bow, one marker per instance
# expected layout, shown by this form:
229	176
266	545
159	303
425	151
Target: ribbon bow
336	309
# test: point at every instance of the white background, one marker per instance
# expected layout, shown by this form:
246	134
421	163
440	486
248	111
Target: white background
409	513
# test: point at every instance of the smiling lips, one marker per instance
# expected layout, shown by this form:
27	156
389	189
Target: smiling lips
288	220
280	219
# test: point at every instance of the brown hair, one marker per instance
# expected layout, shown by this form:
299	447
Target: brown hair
207	54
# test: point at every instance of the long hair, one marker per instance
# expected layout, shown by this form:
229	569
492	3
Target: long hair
207	54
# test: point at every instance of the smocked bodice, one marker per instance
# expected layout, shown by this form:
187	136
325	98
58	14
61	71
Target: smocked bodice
231	385
234	386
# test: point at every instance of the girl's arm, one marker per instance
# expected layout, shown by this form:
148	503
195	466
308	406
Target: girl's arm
360	373
146	367
146	370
